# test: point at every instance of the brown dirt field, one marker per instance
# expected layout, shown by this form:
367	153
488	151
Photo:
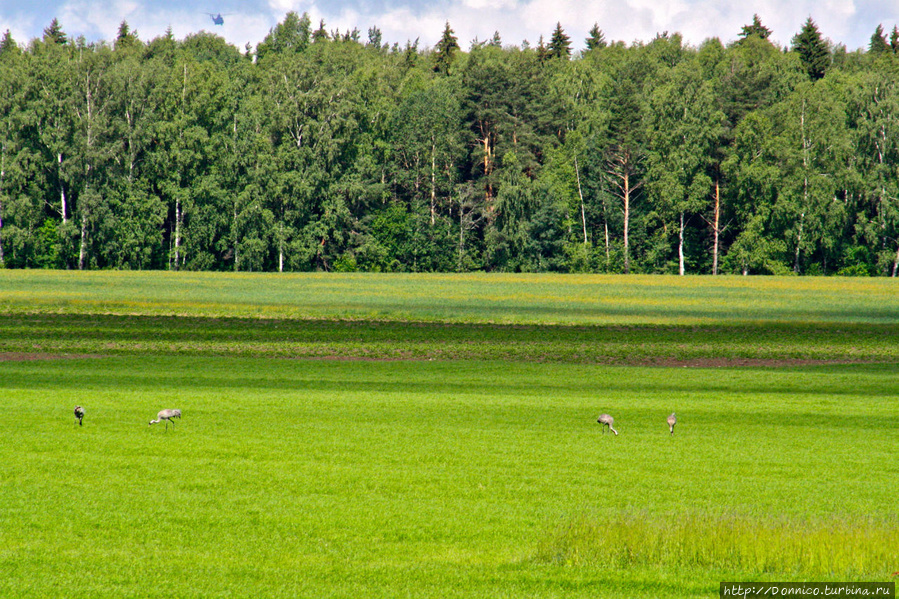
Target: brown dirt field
27	357
662	362
735	362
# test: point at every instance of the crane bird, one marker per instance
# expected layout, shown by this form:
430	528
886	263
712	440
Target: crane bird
167	415
79	414
672	420
608	421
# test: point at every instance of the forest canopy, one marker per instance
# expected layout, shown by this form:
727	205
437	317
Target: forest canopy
321	150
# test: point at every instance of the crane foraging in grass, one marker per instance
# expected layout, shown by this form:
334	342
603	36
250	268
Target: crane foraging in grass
672	420
79	414
607	421
167	415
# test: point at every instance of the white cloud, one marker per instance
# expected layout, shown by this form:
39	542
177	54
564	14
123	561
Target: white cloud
21	28
843	21
96	19
494	5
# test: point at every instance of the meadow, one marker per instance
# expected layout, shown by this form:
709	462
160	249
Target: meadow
323	453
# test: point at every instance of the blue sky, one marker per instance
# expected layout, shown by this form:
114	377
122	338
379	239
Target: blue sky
248	21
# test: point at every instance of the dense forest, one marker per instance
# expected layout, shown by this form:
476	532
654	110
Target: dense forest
321	150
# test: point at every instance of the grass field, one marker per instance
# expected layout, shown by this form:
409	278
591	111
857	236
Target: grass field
467	464
457	298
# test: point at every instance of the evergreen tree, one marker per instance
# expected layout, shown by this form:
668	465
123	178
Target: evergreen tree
446	50
125	37
812	50
597	38
8	44
878	43
320	34
54	33
756	28
410	54
374	37
542	53
559	44
894	39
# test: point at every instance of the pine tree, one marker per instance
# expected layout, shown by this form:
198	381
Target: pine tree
878	42
446	50
812	50
8	44
559	44
125	37
894	39
320	34
374	37
756	28
410	54
597	38
54	33
542	53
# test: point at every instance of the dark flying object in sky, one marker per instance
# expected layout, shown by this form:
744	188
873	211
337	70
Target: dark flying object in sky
217	19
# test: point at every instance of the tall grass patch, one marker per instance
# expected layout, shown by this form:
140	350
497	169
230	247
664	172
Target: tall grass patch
852	547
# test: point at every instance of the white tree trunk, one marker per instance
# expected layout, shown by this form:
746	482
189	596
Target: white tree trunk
580	194
82	250
62	189
177	233
716	228
433	184
627	216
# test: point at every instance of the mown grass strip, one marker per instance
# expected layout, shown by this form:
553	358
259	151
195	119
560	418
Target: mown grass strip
653	345
483	298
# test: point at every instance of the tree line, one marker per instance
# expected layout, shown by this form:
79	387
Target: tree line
318	150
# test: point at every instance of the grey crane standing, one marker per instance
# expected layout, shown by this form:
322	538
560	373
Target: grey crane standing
672	420
608	421
79	414
167	415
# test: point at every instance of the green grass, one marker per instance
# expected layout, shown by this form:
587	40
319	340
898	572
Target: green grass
433	479
814	549
642	344
472	298
454	456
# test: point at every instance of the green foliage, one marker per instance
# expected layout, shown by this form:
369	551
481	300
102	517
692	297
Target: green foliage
47	252
559	44
54	34
755	28
812	50
878	43
445	51
190	154
293	34
8	45
597	39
